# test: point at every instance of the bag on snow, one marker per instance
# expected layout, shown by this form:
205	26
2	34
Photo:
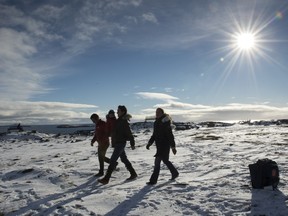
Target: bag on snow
263	173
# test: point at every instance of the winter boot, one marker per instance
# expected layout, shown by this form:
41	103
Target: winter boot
106	178
174	176
133	174
100	173
151	183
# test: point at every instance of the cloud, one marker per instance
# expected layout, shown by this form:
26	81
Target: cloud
155	96
47	35
228	112
50	12
17	79
52	34
149	17
44	112
60	113
196	112
15	46
23	64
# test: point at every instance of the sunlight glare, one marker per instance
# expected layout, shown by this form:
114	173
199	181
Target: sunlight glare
247	45
245	41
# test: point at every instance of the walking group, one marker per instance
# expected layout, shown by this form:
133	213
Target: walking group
119	131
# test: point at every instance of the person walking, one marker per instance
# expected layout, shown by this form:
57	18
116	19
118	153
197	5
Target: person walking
101	136
164	139
120	134
110	122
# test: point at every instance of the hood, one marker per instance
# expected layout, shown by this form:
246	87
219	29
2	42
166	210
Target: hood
127	117
166	118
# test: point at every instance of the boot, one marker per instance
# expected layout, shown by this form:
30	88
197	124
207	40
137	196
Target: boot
133	174
106	178
150	183
174	176
100	173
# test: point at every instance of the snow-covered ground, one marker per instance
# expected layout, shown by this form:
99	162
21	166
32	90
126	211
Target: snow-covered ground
44	174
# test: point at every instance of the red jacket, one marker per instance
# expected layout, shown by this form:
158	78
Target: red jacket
100	135
110	123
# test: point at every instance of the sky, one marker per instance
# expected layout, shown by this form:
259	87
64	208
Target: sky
208	60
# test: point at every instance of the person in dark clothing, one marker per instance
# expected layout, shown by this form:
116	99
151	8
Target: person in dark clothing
164	139
120	134
110	122
101	136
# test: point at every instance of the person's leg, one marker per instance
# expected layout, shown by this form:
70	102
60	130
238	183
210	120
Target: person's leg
101	155
106	159
128	165
171	167
156	171
119	148
104	149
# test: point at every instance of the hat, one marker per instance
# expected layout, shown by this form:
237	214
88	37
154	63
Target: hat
111	112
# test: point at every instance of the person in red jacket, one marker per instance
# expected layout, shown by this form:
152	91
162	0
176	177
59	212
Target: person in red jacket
101	136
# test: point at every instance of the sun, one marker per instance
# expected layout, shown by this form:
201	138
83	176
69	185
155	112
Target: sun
245	41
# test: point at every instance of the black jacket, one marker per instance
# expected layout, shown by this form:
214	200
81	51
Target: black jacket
121	132
163	136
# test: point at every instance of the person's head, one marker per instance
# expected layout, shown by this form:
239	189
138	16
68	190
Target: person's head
111	113
121	111
159	112
94	118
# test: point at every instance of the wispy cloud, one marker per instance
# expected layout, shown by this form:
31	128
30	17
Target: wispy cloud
155	96
222	113
149	17
18	80
196	112
31	42
44	112
51	34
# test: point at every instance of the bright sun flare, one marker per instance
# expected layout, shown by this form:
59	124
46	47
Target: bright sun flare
245	41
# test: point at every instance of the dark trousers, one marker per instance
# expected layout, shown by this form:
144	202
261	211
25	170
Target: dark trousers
102	149
119	151
156	171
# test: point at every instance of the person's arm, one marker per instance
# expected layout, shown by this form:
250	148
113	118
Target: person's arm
129	135
94	139
171	139
151	141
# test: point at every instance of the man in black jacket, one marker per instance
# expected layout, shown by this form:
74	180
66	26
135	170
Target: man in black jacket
164	139
121	132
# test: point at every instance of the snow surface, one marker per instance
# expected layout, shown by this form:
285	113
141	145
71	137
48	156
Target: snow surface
45	174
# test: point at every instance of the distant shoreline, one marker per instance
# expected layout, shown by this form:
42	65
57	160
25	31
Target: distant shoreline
52	129
72	128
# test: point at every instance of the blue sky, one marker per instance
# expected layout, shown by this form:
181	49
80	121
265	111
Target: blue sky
61	61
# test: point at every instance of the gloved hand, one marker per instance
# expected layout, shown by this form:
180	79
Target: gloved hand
174	151
132	144
91	143
148	146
